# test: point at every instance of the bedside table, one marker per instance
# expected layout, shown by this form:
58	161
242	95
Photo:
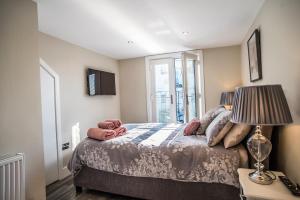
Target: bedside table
254	191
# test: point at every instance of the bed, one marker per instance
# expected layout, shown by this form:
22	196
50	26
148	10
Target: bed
153	156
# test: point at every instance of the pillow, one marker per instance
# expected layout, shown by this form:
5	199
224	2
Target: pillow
236	135
218	128
191	127
208	117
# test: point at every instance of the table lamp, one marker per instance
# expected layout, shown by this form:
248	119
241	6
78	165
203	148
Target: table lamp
226	99
260	105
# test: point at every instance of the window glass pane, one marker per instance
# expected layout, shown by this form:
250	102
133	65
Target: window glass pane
162	93
179	91
191	88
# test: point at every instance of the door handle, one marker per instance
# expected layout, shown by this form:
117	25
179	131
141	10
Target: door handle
187	99
171	99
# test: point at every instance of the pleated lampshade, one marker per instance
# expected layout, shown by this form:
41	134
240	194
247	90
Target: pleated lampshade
226	98
261	105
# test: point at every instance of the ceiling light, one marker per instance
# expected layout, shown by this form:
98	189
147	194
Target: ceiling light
185	33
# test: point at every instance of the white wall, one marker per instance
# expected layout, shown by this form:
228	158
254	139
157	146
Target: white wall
222	72
279	24
133	90
70	63
20	98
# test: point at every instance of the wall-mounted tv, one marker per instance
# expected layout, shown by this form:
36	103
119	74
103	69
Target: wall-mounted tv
100	82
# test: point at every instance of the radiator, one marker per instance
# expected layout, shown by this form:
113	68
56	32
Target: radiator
12	177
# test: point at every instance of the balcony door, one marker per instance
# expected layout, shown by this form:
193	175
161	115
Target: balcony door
163	90
174	88
191	100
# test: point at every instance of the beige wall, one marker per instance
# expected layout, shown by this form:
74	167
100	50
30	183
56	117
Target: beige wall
20	107
222	69
279	24
133	90
222	72
70	63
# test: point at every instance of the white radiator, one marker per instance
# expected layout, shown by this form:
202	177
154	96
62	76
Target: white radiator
12	177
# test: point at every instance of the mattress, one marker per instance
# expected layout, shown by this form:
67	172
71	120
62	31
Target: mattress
160	151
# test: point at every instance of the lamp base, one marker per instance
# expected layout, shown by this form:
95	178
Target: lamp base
260	177
259	147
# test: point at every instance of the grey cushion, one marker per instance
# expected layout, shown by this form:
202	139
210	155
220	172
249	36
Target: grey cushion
218	128
208	118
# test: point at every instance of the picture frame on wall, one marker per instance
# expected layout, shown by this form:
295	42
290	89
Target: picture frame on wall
254	56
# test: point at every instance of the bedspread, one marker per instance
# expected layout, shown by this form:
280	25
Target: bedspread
159	151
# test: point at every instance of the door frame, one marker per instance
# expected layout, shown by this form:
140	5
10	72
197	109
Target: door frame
201	85
62	171
199	74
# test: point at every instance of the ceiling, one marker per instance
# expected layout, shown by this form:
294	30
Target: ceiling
131	28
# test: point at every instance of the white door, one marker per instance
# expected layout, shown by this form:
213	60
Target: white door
49	126
163	90
176	85
191	100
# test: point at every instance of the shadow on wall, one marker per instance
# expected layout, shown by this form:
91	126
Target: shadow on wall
288	156
297	105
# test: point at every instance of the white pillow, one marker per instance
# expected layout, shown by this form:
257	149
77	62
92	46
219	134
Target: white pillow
218	128
208	118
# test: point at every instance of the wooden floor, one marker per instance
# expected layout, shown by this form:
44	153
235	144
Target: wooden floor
65	190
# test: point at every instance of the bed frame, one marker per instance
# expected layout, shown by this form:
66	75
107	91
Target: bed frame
152	188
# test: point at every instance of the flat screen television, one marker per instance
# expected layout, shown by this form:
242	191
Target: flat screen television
100	83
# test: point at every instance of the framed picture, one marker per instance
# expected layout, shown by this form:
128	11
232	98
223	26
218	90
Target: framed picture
254	56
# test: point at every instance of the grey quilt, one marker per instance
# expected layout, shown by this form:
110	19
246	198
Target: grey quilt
159	151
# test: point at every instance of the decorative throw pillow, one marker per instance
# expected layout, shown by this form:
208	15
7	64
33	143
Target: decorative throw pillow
191	127
236	135
218	128
208	118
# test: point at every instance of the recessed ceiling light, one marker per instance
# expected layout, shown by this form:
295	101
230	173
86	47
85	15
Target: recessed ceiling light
185	33
130	42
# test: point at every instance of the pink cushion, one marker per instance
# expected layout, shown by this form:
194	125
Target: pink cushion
192	127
